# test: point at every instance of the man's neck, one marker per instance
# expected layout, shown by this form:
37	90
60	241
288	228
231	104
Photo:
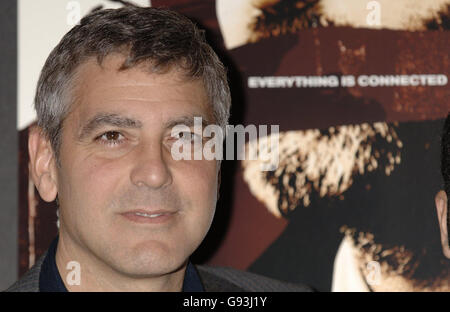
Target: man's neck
96	275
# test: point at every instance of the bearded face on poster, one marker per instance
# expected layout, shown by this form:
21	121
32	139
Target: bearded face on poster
384	246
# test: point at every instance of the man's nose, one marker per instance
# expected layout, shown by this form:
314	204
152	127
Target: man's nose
151	168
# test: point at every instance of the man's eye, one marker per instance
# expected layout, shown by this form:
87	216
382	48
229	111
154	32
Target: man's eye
186	135
111	138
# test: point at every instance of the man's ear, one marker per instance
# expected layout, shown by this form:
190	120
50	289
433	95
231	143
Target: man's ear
42	165
441	201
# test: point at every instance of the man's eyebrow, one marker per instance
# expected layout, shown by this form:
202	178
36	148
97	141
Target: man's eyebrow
111	119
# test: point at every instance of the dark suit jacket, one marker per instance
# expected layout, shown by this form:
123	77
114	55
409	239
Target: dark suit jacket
215	279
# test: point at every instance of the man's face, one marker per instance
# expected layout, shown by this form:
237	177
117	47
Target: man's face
117	169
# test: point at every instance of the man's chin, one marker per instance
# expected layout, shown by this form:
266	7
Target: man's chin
149	269
149	261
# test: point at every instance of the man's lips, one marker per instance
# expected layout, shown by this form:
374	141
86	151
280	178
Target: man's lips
149	216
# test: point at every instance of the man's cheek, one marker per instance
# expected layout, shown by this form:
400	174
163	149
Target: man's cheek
96	180
102	170
203	199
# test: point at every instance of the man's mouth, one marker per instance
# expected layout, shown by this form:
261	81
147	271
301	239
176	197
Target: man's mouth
143	214
152	217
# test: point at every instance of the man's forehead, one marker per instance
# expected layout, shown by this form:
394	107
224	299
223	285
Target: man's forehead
104	88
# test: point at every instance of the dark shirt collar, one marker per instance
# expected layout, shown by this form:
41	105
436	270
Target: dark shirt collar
50	279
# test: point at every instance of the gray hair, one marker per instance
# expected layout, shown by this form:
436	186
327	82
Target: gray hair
159	37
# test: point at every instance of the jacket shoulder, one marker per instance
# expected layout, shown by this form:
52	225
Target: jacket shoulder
229	279
30	280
